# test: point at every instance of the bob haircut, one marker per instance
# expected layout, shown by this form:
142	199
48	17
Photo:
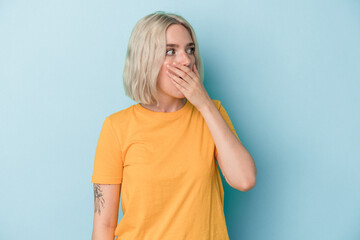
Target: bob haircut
146	53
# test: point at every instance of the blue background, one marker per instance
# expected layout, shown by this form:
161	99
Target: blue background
287	72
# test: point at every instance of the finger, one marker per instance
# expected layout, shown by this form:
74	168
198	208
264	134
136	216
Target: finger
181	72
179	86
177	80
187	72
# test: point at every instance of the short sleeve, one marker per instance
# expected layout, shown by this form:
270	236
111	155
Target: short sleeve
108	164
227	120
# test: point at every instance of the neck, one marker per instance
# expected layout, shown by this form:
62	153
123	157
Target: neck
166	107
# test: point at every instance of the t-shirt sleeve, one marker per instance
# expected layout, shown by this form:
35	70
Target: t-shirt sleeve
108	163
227	120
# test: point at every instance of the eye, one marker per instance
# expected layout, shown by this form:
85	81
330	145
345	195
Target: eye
192	50
169	50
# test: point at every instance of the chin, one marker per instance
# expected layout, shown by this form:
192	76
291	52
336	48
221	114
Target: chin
174	92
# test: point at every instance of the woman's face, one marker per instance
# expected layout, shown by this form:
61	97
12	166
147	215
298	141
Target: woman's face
180	48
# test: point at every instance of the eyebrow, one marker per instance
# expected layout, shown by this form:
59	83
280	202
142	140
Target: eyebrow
175	45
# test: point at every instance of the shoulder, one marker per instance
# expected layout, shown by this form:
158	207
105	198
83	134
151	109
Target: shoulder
121	117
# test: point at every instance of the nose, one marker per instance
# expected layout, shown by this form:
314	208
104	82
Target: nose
184	59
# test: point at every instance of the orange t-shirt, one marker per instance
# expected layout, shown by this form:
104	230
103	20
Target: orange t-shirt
171	187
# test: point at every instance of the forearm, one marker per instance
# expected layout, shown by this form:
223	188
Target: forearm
235	161
103	233
106	204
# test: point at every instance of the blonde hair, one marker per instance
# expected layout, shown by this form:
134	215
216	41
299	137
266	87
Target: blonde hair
146	54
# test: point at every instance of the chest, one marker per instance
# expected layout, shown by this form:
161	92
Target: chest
175	152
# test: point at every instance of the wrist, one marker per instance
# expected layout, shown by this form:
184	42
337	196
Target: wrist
207	107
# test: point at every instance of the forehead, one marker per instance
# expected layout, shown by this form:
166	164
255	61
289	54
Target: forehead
177	33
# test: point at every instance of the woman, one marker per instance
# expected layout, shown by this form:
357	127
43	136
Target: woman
161	153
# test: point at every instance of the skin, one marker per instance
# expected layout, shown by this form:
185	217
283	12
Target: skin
99	200
106	208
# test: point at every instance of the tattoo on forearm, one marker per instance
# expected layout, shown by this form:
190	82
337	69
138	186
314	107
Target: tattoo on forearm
99	200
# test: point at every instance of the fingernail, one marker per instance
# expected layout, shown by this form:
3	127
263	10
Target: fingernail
174	63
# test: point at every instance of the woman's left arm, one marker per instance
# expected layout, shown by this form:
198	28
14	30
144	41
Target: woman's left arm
234	160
